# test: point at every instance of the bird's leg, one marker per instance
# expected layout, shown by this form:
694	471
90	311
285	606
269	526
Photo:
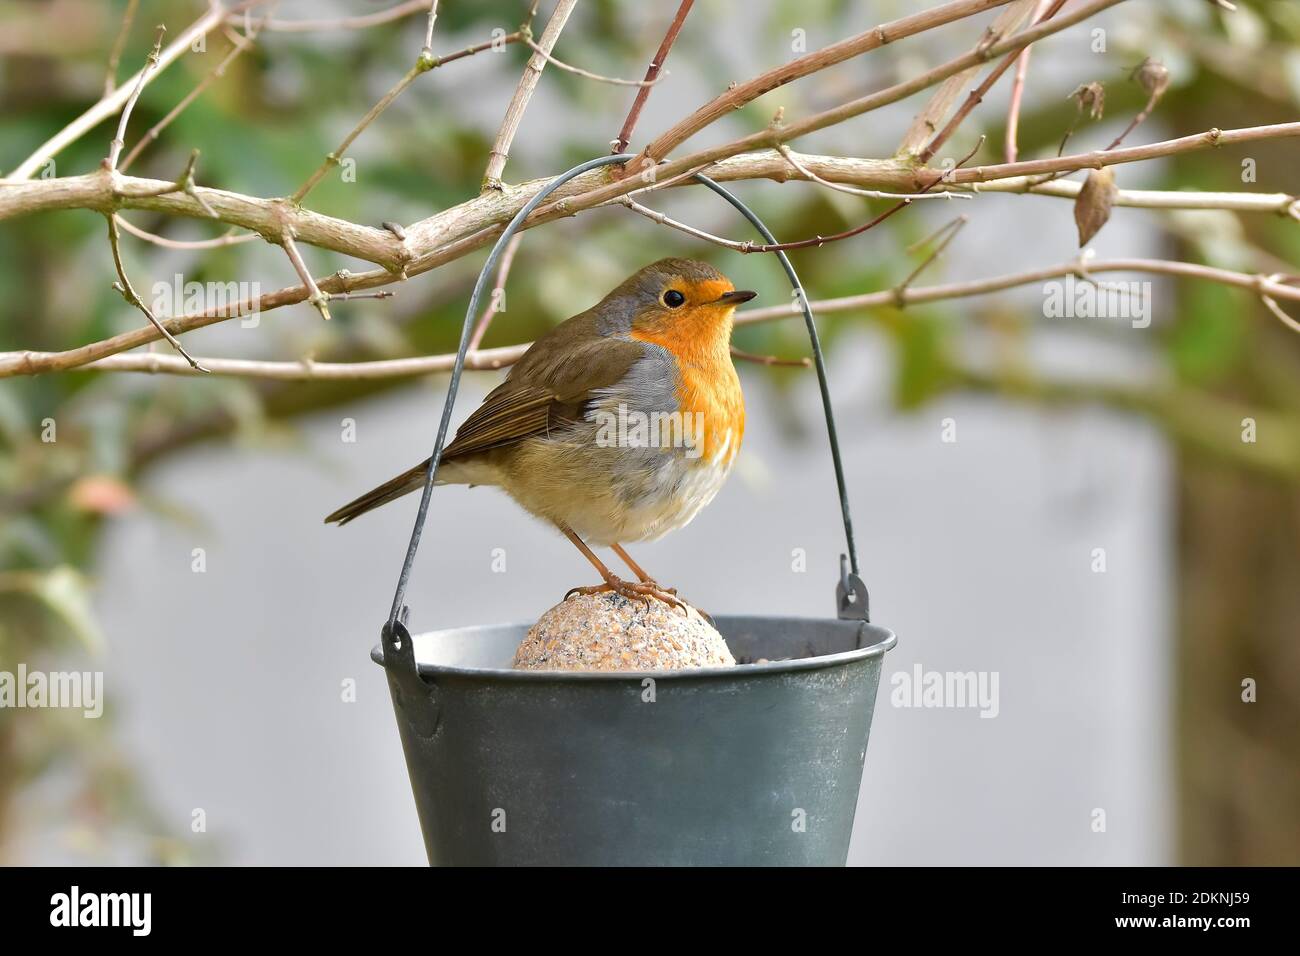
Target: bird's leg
645	590
637	569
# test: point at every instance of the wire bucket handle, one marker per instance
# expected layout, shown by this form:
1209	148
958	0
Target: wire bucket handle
851	592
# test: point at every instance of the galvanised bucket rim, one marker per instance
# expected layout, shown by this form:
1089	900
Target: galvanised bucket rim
430	670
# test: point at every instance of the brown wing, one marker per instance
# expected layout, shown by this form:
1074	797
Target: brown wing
550	384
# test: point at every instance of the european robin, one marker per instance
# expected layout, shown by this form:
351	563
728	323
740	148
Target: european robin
617	425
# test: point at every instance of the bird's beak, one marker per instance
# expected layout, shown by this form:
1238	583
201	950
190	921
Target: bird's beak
736	297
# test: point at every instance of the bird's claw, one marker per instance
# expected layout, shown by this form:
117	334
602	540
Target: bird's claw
650	582
632	590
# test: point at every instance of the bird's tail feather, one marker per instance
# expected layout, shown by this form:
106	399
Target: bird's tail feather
390	490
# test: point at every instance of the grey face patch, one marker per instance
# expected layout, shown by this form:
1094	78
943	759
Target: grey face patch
642	291
615	313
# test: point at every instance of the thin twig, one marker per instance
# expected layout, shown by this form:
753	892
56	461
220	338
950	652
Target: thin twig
1090	101
977	95
119	140
1156	92
1129	154
770	360
423	64
587	74
309	370
770	137
749	246
123	285
428	30
229	239
871	224
926	123
473	48
333	158
186	185
656	184
948	231
737	96
1276	309
1282	204
976	287
343	23
31	363
495	303
240	44
664	220
868	193
110	105
1011	148
651	74
500	151
319	299
115	55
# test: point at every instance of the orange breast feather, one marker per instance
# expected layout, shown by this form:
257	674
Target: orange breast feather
707	385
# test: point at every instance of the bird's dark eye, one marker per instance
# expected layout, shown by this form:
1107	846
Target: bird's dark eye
673	298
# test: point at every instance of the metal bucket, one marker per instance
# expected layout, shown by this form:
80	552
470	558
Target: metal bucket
757	764
754	764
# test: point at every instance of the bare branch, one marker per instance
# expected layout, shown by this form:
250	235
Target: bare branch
961	290
229	239
1131	154
112	104
770	360
977	95
772	136
423	64
1282	204
651	74
587	74
749	246
1271	304
1155	78
119	141
498	291
343	23
926	123
104	193
742	93
428	30
523	93
307	370
123	285
662	219
1010	147
317	298
944	235
31	363
463	228
240	44
868	193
